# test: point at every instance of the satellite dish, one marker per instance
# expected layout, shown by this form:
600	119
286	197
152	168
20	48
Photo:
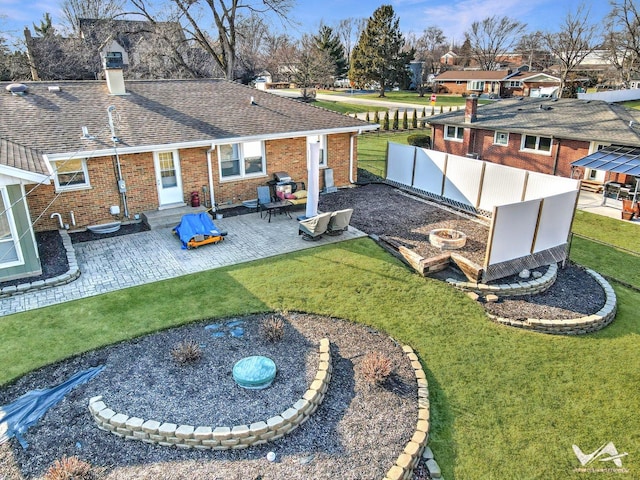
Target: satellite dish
17	88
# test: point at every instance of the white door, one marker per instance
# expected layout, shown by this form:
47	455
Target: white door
168	178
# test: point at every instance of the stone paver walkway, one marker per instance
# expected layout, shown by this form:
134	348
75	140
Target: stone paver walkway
129	260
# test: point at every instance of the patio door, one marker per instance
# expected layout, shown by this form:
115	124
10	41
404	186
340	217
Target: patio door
168	178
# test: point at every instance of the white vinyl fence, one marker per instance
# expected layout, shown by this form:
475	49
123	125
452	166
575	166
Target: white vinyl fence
531	213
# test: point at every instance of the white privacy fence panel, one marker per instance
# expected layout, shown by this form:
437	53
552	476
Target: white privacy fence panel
429	170
540	185
462	182
400	163
513	227
555	220
501	185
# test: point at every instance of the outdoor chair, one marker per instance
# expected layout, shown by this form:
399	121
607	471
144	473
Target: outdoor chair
339	222
313	228
264	197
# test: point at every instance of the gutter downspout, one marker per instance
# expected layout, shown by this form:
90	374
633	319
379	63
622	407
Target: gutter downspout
121	184
210	173
555	159
351	145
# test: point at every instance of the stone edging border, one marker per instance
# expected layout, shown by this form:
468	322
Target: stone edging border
576	326
219	438
529	287
70	276
409	458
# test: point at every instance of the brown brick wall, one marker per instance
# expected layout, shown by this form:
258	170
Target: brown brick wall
91	206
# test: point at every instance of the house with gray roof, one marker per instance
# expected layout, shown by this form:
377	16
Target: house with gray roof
95	151
539	134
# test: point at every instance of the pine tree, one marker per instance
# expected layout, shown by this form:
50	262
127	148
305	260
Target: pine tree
395	120
376	117
367	119
385	124
414	121
378	56
45	28
405	121
328	41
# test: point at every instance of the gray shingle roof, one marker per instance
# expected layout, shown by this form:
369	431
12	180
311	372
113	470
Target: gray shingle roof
21	157
155	112
562	118
492	75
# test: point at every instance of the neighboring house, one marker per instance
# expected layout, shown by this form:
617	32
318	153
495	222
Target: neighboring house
87	146
472	81
450	58
538	134
501	83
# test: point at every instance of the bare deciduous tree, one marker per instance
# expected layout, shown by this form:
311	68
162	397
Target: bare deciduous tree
571	44
349	30
622	38
74	10
491	37
314	66
225	15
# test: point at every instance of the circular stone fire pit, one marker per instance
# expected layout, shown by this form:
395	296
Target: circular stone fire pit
447	238
254	372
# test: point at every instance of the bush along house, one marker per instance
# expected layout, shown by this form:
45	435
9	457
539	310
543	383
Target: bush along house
543	135
74	154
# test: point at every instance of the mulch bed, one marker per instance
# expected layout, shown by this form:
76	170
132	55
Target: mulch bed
356	433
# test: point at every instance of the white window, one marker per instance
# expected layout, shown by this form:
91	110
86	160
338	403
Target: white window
501	138
536	143
10	253
322	139
515	83
453	133
71	174
241	159
475	85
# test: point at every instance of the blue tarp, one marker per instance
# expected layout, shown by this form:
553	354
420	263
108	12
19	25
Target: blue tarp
24	412
196	224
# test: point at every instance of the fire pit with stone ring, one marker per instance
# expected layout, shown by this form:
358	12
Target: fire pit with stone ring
447	238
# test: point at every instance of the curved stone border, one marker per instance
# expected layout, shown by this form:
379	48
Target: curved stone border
410	456
577	326
530	287
219	438
70	276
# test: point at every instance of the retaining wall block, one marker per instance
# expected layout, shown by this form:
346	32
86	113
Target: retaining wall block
151	426
221	433
134	424
275	423
185	431
240	431
258	428
230	442
167	429
105	415
203	433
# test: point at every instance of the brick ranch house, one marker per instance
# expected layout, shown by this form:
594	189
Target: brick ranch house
537	134
501	83
87	146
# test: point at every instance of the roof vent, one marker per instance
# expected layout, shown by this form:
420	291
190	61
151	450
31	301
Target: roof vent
53	88
17	88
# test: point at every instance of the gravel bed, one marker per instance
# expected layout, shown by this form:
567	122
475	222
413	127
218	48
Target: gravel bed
357	432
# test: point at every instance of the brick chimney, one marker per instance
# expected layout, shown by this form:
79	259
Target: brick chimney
471	109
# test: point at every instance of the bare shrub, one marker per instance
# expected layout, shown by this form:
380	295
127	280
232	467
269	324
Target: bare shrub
70	468
376	368
187	351
273	328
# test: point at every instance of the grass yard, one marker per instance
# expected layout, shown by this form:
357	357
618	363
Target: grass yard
344	107
505	403
412	97
372	148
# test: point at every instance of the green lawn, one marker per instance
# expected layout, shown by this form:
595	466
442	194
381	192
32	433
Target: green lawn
505	403
372	148
413	97
344	107
632	104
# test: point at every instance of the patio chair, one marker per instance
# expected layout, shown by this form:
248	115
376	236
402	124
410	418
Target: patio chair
313	228
264	197
339	222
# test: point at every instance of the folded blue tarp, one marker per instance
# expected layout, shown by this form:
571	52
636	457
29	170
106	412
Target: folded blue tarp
194	224
24	412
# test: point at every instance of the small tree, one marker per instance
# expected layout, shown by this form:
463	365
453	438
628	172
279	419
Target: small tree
366	118
376	117
414	121
385	123
405	121
395	120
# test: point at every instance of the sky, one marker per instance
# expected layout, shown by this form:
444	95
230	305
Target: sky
454	17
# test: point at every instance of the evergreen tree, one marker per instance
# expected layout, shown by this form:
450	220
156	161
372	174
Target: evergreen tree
405	121
328	41
379	55
385	123
395	120
376	117
45	29
367	119
414	121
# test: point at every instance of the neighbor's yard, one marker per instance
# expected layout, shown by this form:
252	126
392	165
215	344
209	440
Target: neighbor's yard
505	403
